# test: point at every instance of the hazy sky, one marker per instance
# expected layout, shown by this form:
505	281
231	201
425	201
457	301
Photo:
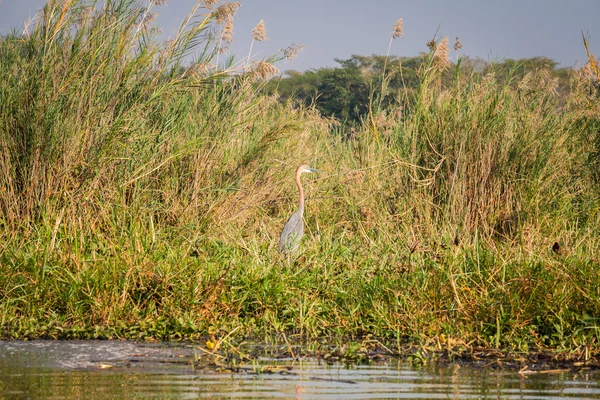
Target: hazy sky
330	29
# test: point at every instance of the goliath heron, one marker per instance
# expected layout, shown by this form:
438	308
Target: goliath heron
294	228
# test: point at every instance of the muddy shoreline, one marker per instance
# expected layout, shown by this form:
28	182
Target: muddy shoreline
226	357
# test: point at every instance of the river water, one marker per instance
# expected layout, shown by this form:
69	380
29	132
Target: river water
124	369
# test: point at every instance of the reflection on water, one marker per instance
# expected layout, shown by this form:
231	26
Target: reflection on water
108	369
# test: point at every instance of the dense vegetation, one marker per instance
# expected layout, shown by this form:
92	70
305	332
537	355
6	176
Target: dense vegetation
346	92
141	199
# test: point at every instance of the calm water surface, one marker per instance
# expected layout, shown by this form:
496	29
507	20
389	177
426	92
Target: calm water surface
109	369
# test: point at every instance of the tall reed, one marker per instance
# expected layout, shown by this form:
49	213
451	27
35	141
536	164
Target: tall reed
140	198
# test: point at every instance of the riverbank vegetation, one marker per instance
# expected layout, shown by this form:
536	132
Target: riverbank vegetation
143	199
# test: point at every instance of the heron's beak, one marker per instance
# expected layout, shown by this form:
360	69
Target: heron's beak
315	170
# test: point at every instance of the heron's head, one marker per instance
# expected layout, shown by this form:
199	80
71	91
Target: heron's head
305	168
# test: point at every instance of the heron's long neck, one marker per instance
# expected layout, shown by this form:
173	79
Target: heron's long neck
301	203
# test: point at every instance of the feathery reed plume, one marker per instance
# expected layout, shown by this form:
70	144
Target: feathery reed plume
210	3
589	68
226	11
441	59
592	63
398	30
227	35
539	81
259	33
292	51
525	83
30	22
203	70
263	70
148	19
224	15
167	49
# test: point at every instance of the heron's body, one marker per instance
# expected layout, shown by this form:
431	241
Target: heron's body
293	230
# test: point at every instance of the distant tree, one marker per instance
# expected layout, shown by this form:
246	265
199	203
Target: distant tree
344	92
300	86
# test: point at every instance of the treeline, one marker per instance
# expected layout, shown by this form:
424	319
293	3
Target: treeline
347	92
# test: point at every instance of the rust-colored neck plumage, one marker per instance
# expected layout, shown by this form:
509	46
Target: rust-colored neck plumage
298	173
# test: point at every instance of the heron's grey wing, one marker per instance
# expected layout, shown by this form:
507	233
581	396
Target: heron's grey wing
291	234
